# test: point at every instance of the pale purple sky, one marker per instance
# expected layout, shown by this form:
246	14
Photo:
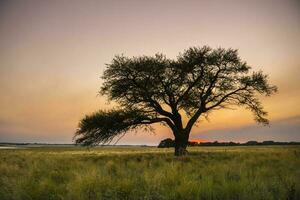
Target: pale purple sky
53	52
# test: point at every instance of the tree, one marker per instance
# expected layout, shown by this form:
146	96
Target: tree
154	89
166	143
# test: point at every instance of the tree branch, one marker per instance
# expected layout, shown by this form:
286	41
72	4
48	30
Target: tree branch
225	97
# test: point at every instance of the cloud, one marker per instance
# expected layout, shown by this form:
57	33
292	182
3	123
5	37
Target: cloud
287	129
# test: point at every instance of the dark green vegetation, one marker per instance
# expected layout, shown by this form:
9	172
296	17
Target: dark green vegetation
150	173
167	143
155	89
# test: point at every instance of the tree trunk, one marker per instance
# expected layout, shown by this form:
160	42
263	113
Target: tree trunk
181	142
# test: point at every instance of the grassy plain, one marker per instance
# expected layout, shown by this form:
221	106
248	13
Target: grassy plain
264	172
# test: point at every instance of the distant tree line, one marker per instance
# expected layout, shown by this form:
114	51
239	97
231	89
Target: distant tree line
166	143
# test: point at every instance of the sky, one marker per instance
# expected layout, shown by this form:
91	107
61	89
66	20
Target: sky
53	53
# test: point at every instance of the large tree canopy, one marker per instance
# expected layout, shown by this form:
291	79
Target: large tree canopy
154	89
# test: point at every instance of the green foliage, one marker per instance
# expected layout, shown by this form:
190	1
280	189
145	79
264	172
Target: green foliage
150	173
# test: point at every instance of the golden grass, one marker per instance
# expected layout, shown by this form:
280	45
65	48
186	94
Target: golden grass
262	172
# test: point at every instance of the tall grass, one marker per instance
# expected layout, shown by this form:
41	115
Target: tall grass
150	173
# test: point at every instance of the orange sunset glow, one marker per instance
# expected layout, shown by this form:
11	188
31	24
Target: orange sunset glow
53	53
198	141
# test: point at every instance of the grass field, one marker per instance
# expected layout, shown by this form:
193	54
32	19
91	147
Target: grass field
264	172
